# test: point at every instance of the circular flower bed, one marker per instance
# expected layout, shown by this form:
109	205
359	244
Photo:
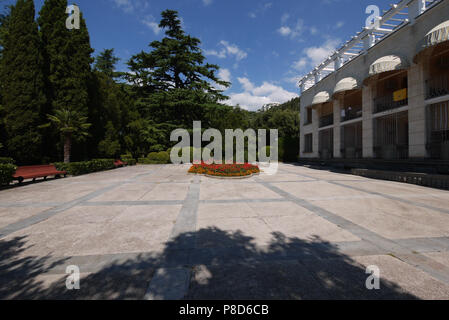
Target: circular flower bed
225	170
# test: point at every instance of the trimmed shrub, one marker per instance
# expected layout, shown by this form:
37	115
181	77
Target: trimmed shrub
128	158
79	168
5	160
6	173
156	158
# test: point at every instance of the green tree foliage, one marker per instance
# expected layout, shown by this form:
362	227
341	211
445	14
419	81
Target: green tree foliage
72	125
22	83
175	63
67	56
110	146
105	62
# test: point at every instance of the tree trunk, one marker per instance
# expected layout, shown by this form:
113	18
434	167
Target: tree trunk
67	147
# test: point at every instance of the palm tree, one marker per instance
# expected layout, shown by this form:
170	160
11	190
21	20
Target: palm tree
71	124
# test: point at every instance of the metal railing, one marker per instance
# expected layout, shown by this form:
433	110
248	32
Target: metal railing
387	103
350	114
326	120
437	86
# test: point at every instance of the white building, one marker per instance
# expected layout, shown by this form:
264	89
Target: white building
385	93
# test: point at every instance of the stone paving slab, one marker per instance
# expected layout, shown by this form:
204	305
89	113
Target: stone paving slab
156	232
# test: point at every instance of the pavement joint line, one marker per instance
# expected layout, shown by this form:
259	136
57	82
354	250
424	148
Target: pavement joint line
173	283
47	214
390	197
419	261
230	201
95	263
30	204
132	203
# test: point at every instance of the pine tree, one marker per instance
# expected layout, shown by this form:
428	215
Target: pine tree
22	84
175	63
105	62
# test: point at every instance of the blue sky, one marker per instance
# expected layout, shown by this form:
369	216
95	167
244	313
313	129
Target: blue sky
262	46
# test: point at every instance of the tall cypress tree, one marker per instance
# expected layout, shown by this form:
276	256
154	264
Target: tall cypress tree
22	84
67	59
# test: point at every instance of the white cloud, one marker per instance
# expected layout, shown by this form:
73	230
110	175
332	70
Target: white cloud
292	31
340	24
253	98
316	55
284	18
285	31
227	50
207	2
130	6
150	23
224	74
260	9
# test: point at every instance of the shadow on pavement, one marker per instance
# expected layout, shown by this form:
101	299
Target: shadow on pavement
223	265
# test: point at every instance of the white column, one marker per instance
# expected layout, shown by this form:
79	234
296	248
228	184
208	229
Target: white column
338	63
317	76
415	8
337	129
417	112
368	125
315	126
368	42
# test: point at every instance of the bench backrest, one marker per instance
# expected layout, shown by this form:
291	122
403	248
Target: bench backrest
41	168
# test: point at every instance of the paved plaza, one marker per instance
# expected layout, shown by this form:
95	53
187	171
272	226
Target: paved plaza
156	232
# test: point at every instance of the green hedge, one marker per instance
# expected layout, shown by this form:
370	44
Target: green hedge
162	157
6	173
79	168
128	158
5	160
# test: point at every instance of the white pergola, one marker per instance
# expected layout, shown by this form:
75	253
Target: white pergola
400	14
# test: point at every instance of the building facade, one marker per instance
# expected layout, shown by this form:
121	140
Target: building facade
390	98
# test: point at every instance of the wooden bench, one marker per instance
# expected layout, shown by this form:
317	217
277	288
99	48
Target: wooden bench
33	172
119	163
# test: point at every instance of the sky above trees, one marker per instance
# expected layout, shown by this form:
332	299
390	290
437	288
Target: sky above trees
262	46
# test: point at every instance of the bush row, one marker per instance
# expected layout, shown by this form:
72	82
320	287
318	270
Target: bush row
163	157
128	158
4	160
79	168
6	172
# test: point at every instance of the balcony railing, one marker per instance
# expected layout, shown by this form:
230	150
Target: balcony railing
437	86
326	120
387	103
350	114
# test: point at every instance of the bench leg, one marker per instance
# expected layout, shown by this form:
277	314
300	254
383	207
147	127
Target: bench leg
20	180
45	178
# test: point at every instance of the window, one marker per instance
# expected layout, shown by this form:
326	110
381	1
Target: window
308	116
308	143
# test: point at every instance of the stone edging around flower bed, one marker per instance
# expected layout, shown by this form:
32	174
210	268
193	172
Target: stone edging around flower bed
224	178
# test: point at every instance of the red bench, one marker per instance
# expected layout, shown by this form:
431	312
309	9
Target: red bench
33	172
119	163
